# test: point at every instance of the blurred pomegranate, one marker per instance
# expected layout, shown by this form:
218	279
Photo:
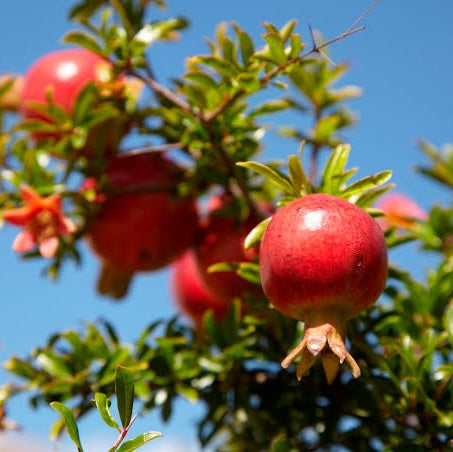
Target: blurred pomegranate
141	225
192	296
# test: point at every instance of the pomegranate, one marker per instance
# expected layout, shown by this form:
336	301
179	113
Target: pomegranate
141	225
192	296
222	240
323	261
64	74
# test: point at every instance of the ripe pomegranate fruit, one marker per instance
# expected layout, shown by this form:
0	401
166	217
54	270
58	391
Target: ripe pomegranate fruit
141	225
222	240
64	74
192	296
323	261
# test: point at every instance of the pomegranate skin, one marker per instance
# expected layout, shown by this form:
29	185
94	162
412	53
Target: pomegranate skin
145	227
222	240
65	72
192	296
322	256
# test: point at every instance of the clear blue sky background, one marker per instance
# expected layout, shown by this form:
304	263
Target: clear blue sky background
403	62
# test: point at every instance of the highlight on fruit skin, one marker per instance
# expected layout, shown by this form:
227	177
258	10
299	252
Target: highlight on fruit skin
192	296
141	224
323	261
400	211
63	74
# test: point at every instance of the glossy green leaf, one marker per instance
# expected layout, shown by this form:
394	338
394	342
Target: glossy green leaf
255	235
245	45
138	441
334	168
271	175
276	48
70	423
366	183
287	29
84	40
102	404
296	46
297	175
250	272
124	390
53	364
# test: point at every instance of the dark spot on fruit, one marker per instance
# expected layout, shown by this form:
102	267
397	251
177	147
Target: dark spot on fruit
144	254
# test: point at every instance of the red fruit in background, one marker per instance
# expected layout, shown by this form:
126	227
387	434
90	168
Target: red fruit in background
400	211
222	240
192	296
323	261
64	74
143	226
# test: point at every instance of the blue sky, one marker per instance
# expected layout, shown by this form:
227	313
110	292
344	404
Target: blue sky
404	63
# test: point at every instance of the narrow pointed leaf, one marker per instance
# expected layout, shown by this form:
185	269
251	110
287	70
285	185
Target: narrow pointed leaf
276	48
245	44
102	404
334	167
297	175
85	40
366	183
124	388
255	235
271	175
70	423
138	441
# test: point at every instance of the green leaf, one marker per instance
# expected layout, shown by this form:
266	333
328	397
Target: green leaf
297	175
287	29
276	48
334	168
366	183
271	175
85	40
160	30
250	272
102	404
368	198
70	423
255	235
53	364
124	389
245	44
138	441
296	46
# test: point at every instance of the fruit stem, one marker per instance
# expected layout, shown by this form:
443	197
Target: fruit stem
324	338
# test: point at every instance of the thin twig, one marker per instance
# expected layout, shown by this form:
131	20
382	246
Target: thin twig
123	433
165	92
154	148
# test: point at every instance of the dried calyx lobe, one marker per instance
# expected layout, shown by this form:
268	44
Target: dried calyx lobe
323	261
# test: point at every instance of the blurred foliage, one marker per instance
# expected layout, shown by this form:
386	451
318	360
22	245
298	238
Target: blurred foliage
214	118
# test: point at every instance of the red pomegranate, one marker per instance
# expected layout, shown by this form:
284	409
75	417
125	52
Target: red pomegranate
192	296
141	226
323	261
64	74
222	240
